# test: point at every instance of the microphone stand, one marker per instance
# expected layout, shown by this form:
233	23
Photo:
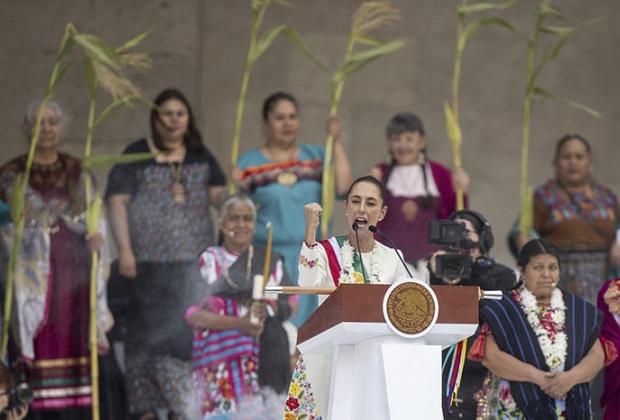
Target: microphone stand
374	229
359	253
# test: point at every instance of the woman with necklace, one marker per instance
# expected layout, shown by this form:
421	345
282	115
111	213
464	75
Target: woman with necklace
52	277
160	213
328	263
283	176
580	216
234	357
541	345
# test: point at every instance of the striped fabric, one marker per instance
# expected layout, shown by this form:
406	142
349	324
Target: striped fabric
515	336
222	346
257	176
60	383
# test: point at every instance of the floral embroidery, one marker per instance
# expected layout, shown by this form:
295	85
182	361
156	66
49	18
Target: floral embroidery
306	262
348	273
300	403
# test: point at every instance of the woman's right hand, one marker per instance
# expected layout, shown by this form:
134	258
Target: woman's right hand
312	212
127	264
251	328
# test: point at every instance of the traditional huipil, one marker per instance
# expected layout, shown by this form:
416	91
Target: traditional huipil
329	263
52	282
609	305
415	195
229	365
280	190
553	337
583	229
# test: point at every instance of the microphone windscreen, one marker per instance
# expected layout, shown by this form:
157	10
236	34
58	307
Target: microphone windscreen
372	228
355	226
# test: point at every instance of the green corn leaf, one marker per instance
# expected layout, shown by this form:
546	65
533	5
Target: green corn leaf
526	220
577	105
552	52
482	6
537	90
452	126
133	42
57	75
545	10
295	38
91	79
556	30
113	107
104	161
266	40
368	40
93	215
98	50
361	59
472	27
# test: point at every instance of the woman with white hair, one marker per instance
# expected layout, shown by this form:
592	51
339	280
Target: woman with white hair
235	356
53	272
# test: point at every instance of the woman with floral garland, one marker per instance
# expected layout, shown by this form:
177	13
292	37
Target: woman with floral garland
541	345
609	305
328	263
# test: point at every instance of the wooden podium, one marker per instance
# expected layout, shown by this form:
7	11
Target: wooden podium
359	369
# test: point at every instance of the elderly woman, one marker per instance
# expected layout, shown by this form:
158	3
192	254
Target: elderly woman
580	216
540	343
160	213
329	262
234	355
282	176
418	190
53	272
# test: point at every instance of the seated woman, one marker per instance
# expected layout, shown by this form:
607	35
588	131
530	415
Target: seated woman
328	263
609	304
234	355
540	344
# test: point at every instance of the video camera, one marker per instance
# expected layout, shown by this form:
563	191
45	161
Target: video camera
457	263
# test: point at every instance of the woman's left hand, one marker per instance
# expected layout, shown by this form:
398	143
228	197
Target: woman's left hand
559	385
461	180
614	255
95	241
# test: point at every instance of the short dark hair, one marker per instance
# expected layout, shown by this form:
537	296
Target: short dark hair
272	100
372	180
534	248
404	122
565	139
192	138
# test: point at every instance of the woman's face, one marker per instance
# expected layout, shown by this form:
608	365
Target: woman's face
238	225
573	164
282	124
172	121
364	207
49	137
541	275
406	147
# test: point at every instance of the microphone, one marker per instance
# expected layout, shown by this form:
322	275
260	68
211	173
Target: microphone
355	227
374	229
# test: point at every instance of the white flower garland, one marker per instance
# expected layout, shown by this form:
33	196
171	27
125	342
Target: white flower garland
347	274
553	350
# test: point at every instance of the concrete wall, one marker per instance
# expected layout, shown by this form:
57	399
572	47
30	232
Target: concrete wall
200	46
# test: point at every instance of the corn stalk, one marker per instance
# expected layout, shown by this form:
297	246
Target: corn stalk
370	16
258	46
463	33
535	65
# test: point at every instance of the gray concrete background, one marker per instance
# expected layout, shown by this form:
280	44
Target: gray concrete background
200	47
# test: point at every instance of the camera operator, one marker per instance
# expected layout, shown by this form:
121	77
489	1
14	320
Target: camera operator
468	240
465	261
13	400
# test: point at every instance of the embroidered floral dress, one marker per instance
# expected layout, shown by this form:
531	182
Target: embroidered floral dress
225	362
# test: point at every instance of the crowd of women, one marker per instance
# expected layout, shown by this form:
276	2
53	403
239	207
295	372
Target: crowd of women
194	342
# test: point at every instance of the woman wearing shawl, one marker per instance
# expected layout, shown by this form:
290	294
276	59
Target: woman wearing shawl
609	304
234	355
540	344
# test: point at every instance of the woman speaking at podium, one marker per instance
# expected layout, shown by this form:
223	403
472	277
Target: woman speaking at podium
354	258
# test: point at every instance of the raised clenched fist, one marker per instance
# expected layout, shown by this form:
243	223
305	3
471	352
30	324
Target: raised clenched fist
313	212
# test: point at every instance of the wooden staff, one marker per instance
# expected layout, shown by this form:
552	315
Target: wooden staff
298	290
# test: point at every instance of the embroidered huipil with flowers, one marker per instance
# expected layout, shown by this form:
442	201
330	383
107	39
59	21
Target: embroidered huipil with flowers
327	264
